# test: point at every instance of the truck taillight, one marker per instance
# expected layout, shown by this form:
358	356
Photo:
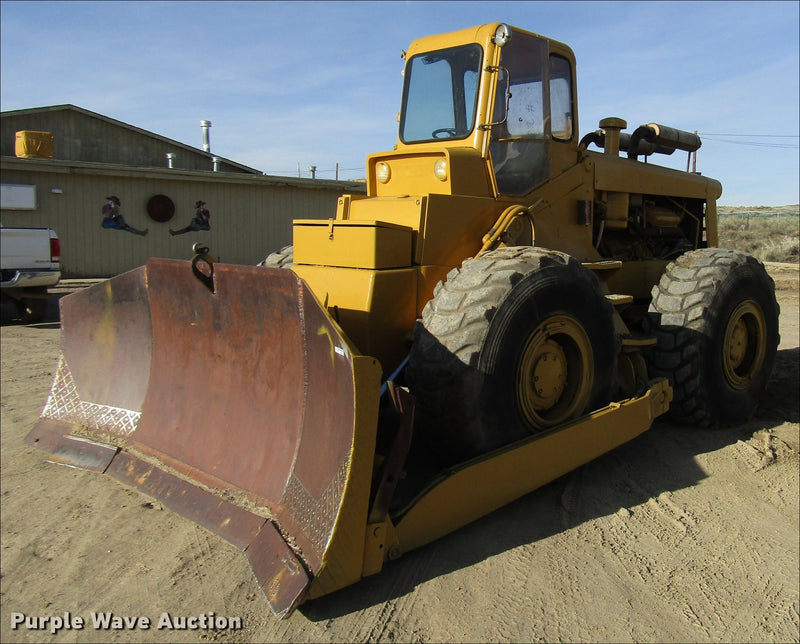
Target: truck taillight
55	250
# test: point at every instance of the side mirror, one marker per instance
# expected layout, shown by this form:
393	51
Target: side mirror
504	86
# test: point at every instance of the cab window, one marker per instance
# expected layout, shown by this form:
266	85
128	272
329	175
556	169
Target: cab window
518	146
560	98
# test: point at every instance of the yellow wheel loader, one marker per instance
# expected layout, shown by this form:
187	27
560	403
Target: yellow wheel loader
502	306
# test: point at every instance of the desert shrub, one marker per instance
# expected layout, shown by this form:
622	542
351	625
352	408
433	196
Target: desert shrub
769	234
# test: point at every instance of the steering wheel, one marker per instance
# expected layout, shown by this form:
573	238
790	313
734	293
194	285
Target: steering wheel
450	131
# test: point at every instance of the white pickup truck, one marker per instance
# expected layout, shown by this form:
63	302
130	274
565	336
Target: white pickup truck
30	264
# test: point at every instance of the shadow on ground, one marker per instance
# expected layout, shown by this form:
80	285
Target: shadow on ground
662	459
9	314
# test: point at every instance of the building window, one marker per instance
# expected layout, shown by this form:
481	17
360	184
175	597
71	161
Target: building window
17	197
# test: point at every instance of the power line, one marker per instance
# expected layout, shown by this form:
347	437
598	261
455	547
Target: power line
762	144
783	146
773	136
705	135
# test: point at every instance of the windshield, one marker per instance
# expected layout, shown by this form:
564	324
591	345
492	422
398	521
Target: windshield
440	94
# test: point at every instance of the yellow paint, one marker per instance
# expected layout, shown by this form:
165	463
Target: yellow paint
375	308
344	557
106	334
525	466
376	265
323	330
355	244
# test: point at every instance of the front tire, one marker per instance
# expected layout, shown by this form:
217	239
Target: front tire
715	315
516	341
283	258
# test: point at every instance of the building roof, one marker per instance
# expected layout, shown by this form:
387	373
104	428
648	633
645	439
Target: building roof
132	128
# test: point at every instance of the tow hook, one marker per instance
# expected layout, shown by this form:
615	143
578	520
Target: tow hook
206	274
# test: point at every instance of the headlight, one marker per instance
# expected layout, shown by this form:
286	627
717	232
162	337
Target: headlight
502	35
440	169
382	172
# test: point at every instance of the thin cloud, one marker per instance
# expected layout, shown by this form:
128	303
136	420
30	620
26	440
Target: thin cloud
319	82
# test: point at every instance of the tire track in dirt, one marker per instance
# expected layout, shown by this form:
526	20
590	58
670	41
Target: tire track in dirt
509	597
630	544
390	618
662	525
386	627
696	579
676	537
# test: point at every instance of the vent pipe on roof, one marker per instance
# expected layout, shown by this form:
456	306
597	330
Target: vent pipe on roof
206	141
215	161
170	159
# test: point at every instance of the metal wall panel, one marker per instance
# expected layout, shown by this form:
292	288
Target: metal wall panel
251	215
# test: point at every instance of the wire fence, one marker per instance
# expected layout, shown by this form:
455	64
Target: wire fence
788	215
336	173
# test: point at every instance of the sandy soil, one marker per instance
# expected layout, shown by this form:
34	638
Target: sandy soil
679	535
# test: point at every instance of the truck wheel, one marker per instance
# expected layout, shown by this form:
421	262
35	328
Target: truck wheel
32	309
514	342
715	315
283	258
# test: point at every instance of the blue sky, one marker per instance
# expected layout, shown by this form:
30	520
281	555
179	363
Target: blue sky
319	82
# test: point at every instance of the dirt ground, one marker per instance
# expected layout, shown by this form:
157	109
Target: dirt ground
680	535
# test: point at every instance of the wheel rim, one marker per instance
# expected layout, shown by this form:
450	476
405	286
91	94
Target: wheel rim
554	379
744	345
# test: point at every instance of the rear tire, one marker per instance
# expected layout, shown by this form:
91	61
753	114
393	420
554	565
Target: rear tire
514	342
715	315
284	258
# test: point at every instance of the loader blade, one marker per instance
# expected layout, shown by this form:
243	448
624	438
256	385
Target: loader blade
235	400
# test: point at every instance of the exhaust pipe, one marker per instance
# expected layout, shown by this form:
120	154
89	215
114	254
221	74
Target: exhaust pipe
664	136
612	127
613	141
206	139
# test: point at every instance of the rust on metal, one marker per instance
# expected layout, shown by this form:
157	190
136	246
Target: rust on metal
244	391
231	522
280	574
52	436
